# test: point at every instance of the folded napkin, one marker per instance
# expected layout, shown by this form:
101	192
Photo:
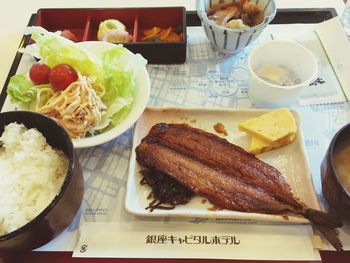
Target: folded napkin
334	40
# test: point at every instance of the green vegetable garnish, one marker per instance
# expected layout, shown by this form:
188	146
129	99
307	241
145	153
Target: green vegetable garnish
115	69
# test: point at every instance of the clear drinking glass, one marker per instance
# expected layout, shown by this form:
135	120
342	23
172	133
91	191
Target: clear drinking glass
345	18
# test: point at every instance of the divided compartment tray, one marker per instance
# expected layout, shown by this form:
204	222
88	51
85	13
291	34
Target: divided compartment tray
84	24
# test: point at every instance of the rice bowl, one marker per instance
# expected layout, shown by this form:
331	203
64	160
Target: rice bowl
32	173
59	212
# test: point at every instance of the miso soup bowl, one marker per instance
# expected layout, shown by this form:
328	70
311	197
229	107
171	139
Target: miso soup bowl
60	212
333	188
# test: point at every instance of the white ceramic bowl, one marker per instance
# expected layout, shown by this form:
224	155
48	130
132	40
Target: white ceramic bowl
142	92
288	54
233	41
141	96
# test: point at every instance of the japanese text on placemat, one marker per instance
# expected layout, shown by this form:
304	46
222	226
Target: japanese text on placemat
192	240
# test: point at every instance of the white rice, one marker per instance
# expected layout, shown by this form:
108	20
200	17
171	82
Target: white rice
31	174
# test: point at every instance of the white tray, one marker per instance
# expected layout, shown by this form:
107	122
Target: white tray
290	160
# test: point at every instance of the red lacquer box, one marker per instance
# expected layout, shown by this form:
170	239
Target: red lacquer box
84	24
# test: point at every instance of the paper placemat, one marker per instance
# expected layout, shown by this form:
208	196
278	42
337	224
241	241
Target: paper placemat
219	79
144	239
207	79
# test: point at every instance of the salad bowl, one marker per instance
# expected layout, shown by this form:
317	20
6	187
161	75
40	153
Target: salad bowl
121	73
141	96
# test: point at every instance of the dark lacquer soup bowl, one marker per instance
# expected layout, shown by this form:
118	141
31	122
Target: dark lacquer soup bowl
58	212
335	173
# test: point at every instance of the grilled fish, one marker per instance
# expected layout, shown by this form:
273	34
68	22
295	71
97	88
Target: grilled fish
225	174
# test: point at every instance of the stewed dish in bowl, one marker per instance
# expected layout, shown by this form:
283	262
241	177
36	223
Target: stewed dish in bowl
234	25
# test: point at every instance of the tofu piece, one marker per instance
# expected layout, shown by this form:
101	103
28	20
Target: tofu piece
257	146
236	23
274	74
274	128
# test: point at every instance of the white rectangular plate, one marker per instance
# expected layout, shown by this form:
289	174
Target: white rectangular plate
290	160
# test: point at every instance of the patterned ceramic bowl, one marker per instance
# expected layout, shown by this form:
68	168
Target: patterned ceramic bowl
233	41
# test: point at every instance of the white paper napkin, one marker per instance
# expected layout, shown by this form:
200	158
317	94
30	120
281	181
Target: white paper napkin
333	37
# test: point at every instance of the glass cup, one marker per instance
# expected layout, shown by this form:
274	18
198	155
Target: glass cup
345	18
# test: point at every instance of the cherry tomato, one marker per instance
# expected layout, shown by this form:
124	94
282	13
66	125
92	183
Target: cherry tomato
61	76
39	73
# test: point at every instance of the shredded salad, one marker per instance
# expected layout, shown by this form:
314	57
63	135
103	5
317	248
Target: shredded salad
100	96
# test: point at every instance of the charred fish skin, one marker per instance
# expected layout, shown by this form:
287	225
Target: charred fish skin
218	153
202	162
222	190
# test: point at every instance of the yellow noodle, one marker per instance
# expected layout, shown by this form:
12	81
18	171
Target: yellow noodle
100	89
42	95
78	108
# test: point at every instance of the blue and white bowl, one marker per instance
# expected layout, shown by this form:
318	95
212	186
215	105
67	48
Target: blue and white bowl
233	41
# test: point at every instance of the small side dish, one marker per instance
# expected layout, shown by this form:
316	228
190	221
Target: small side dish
166	193
237	14
278	72
32	172
114	31
270	130
88	94
123	26
157	34
69	35
235	24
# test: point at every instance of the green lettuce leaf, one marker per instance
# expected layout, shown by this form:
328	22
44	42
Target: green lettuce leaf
54	49
21	89
115	69
120	70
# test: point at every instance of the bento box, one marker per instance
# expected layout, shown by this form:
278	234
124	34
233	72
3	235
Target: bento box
159	33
